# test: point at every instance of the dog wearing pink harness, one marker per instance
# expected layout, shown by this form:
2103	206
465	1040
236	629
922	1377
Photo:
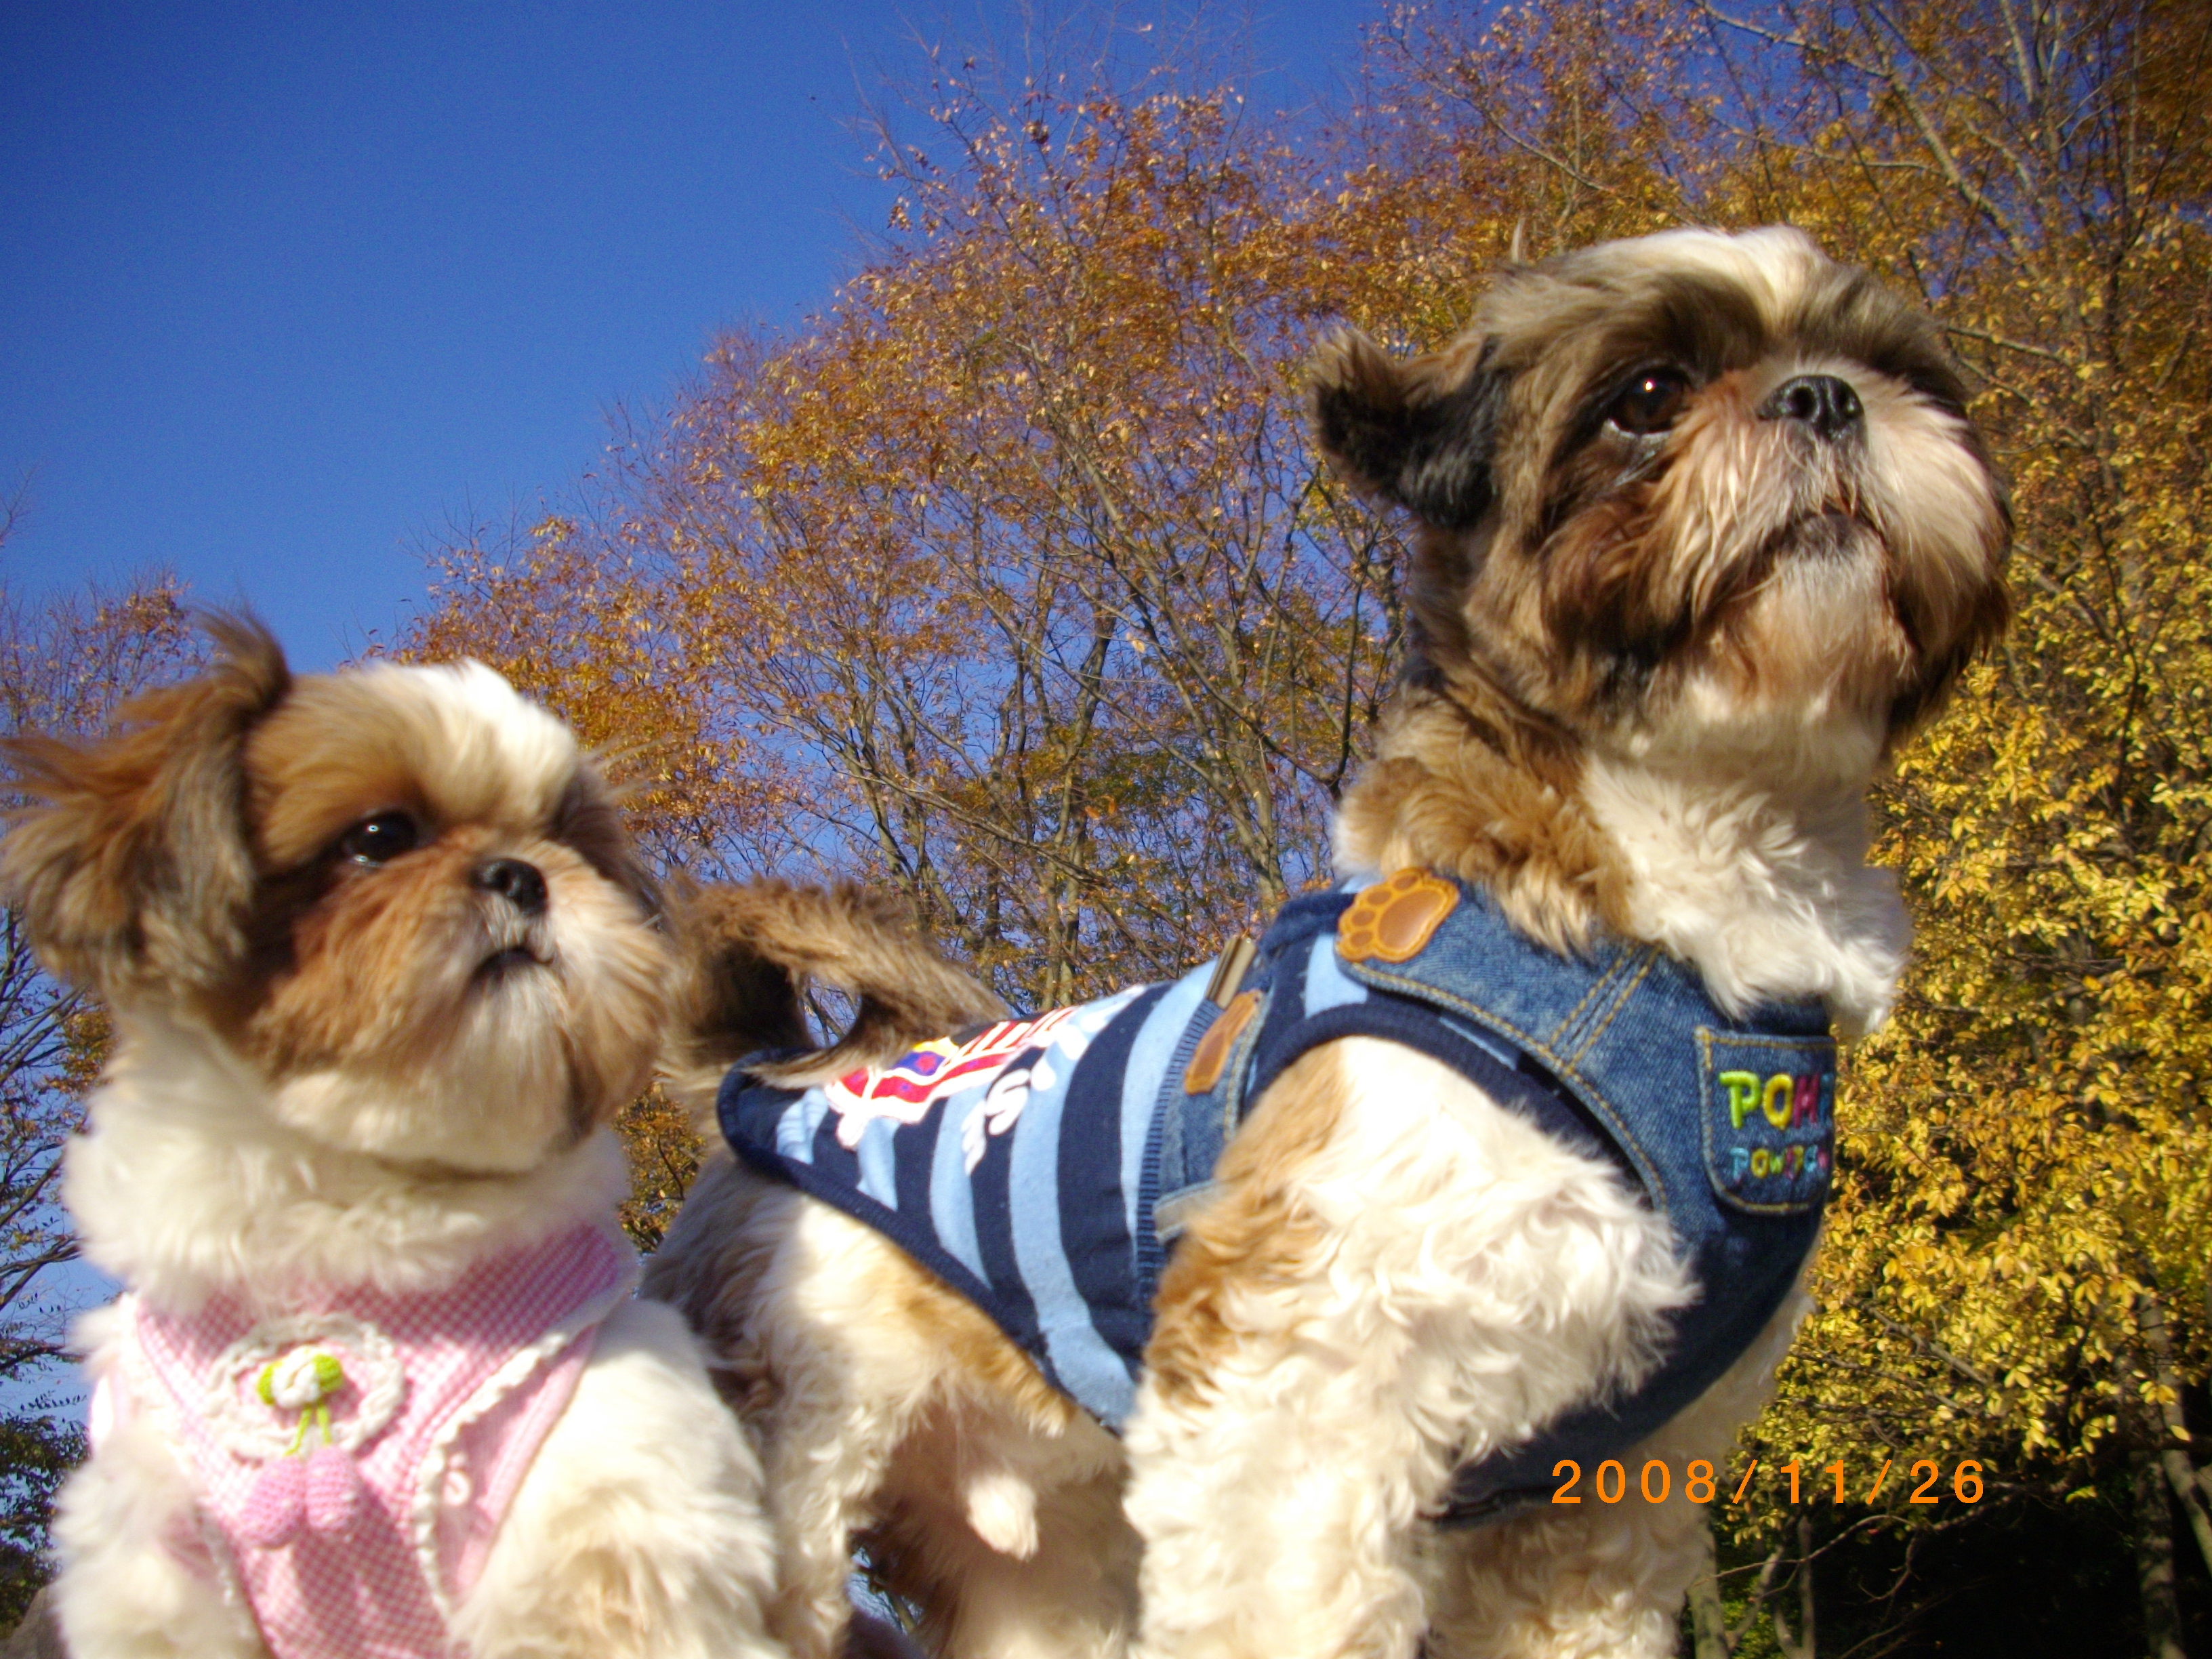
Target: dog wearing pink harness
352	1463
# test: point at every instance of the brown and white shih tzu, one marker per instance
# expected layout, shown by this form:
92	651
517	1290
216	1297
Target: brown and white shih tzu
1532	1118
381	967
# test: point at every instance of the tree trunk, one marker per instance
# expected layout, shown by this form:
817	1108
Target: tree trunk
2161	1610
1708	1617
2188	1481
1801	1645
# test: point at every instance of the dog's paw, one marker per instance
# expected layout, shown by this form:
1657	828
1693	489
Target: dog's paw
1002	1509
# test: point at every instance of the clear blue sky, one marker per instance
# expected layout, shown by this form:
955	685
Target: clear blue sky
285	288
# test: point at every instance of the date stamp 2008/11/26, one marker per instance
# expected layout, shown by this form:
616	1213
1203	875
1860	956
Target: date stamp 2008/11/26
1610	1484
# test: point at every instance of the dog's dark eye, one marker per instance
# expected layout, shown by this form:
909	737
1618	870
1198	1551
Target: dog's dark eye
381	839
1650	403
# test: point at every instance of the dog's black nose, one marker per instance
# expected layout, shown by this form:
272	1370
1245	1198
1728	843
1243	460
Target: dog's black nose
520	884
1822	402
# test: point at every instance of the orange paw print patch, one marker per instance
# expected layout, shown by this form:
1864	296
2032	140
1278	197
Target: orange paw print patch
1393	919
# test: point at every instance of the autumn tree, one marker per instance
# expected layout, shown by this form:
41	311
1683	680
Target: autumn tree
2016	1269
1014	581
66	660
2021	1271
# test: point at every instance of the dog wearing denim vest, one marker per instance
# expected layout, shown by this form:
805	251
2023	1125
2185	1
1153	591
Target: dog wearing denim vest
1701	533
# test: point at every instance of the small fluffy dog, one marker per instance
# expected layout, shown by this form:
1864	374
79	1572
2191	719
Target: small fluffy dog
1529	1127
381	967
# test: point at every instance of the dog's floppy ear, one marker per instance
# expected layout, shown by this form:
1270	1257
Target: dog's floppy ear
1422	432
131	864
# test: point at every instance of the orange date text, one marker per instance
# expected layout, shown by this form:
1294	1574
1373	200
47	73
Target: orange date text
1610	1482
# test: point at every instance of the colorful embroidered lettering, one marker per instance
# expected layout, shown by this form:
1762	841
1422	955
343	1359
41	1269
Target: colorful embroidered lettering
1806	1109
1778	1103
1743	1095
1784	1101
1787	1162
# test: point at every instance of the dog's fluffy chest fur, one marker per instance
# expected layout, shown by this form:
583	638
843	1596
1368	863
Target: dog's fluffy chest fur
1766	898
185	1185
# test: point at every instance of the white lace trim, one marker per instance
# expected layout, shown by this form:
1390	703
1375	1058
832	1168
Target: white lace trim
431	1493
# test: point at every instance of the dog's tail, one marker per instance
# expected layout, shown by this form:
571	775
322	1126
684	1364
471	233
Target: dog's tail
749	953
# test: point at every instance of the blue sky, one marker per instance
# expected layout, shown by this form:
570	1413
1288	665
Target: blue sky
285	289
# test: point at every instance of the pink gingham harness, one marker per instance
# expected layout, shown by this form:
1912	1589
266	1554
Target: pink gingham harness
354	1454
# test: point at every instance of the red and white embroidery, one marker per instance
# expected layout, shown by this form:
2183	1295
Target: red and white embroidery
908	1088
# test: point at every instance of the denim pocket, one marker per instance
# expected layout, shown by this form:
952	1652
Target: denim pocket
1767	1112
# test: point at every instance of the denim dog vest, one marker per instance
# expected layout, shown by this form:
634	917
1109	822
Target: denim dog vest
1043	1167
